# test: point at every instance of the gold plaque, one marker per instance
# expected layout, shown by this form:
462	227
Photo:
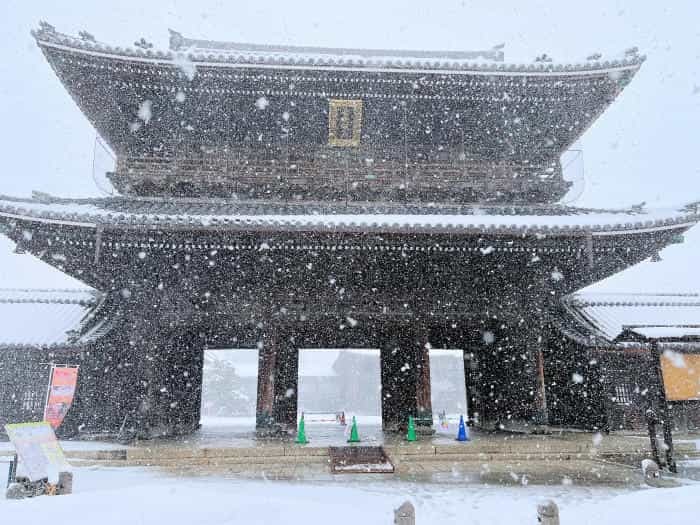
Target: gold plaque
344	122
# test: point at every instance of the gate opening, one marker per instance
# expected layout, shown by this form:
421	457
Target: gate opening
229	389
335	385
447	389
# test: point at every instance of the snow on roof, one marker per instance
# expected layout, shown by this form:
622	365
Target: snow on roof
179	43
43	318
668	332
217	53
606	316
137	213
82	296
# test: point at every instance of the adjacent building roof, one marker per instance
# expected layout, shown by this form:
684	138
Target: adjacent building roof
46	318
200	214
666	332
602	318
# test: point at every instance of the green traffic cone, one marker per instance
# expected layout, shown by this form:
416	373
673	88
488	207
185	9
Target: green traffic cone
354	435
411	436
301	433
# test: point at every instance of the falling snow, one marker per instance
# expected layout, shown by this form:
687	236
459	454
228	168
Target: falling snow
145	111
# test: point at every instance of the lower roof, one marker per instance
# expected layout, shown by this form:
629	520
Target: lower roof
46	318
217	214
601	318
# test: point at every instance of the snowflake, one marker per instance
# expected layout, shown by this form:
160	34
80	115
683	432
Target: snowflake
262	103
676	359
145	111
185	65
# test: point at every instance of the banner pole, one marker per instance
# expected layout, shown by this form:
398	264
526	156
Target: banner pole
48	390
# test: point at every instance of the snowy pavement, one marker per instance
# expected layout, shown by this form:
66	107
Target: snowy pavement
138	496
134	495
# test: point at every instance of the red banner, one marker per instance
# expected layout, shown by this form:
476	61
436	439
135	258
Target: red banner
61	391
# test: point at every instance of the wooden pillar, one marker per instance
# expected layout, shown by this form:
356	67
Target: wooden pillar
166	389
424	406
392	378
541	412
471	388
398	382
537	338
265	398
664	412
286	385
405	374
512	380
278	365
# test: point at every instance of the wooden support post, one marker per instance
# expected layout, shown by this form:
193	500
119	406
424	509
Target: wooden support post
666	419
166	392
651	428
590	256
265	398
12	472
470	388
394	377
542	413
398	374
424	406
405	373
286	385
536	345
278	365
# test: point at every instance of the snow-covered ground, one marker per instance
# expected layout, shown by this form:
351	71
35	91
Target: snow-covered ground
138	496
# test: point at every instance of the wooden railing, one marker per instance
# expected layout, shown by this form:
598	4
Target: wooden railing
350	179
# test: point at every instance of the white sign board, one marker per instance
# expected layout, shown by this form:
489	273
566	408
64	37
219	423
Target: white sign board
39	452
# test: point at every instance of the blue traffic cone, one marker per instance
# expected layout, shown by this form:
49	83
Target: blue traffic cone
462	433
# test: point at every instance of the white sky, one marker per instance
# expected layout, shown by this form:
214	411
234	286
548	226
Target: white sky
644	148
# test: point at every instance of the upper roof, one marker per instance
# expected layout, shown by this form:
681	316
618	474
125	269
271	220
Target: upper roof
604	317
326	55
46	318
252	120
213	52
212	214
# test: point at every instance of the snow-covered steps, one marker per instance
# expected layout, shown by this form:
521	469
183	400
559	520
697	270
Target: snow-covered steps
505	458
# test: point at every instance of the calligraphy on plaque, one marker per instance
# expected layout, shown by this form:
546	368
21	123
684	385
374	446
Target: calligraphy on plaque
344	122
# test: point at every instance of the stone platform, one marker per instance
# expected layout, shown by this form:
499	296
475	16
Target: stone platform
559	457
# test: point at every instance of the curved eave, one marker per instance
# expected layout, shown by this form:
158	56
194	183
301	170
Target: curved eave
52	347
366	223
168	58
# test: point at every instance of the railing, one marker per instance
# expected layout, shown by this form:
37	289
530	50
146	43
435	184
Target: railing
103	162
573	172
342	178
